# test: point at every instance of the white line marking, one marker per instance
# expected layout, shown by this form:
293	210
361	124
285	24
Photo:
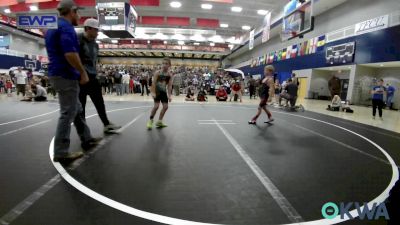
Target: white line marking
31	199
279	198
16	121
354	213
214	120
217	123
343	144
24	128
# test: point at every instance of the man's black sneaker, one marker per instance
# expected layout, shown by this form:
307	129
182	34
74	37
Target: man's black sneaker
68	157
91	143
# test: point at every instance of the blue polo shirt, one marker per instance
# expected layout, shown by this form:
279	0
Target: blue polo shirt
58	42
379	91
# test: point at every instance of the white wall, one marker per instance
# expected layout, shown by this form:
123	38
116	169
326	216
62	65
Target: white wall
320	79
346	14
362	85
26	45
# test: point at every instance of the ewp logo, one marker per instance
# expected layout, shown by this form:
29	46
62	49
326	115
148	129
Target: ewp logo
331	210
37	21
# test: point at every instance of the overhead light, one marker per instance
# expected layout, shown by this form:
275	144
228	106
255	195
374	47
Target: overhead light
206	6
148	42
181	42
7	11
231	46
175	4
196	43
212	44
178	37
236	9
217	39
224	25
98	42
132	41
246	27
262	12
197	37
114	41
165	42
160	36
33	8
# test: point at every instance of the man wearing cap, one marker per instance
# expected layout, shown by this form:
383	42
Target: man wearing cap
66	72
88	53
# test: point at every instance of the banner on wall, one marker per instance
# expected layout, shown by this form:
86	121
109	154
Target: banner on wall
5	40
251	39
371	25
266	28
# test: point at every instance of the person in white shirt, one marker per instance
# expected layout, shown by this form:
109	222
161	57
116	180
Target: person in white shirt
125	82
20	77
40	94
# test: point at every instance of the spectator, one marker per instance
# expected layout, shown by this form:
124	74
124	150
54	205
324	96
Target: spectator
176	84
390	95
334	86
131	85
236	90
9	85
125	83
40	94
377	98
202	95
290	93
335	104
118	82
189	95
21	81
143	83
221	94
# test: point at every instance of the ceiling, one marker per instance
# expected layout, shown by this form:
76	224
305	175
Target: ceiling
191	9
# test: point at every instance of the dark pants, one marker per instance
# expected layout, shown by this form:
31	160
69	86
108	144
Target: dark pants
93	89
40	99
252	91
376	103
70	111
21	88
147	89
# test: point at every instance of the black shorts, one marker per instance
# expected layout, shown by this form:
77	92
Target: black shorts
263	101
162	96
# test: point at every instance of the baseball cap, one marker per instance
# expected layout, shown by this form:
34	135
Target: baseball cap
68	4
93	23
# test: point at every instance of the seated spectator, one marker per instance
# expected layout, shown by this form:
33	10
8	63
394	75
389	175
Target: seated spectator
189	95
335	104
289	93
221	94
202	95
236	90
40	94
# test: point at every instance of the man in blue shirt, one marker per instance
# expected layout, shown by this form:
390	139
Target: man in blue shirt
390	96
66	72
377	98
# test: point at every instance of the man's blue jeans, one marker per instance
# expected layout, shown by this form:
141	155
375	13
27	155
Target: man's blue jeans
70	111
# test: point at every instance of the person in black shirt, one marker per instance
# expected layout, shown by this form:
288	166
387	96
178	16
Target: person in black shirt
290	93
88	53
